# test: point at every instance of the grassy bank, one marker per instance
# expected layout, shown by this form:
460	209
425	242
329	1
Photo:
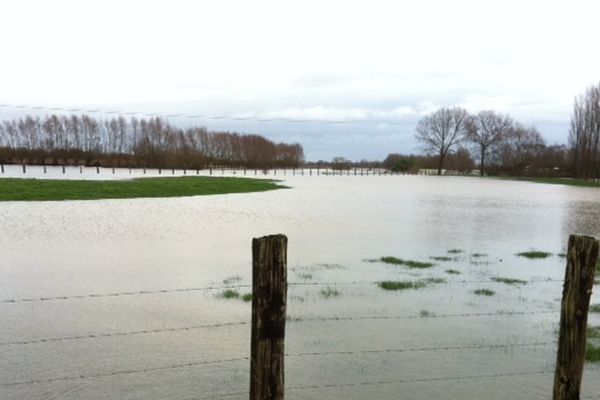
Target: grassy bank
556	181
46	190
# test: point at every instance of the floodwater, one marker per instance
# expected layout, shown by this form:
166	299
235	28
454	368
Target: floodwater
91	308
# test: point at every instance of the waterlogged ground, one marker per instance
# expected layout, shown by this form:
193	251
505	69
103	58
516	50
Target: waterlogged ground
480	323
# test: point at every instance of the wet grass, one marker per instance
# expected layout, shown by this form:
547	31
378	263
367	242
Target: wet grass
434	280
534	254
305	277
452	272
592	353
562	255
329	292
401	285
484	292
558	181
232	279
593	332
478	255
13	189
247	297
595	308
509	281
230	294
442	258
406	263
455	251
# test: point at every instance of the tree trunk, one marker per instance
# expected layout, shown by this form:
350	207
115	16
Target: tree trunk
441	163
482	161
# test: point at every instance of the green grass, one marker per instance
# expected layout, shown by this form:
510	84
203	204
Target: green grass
247	297
593	332
557	181
230	294
434	280
484	292
401	285
562	255
455	251
452	272
305	277
592	353
595	308
509	281
12	189
232	279
406	263
478	255
534	254
329	292
441	258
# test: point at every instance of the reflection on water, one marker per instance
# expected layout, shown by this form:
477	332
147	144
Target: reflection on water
157	345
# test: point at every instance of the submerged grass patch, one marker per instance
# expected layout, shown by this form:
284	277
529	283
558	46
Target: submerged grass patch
452	272
247	297
229	294
455	251
14	189
406	263
592	353
401	285
509	281
232	279
478	255
330	292
595	308
305	277
484	292
441	258
533	254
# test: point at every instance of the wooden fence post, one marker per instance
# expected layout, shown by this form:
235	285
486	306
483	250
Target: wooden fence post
269	293
582	256
24	168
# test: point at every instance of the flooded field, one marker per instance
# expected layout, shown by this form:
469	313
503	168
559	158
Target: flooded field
125	299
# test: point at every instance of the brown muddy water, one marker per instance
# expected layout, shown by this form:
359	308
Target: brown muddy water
126	331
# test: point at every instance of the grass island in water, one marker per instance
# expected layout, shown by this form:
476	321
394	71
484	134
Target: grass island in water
15	189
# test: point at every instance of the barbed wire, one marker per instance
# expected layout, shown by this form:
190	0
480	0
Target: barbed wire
304	354
245	286
126	333
242	323
389	382
122	372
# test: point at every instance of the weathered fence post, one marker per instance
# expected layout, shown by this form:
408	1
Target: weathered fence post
582	256
24	168
2	167
269	293
97	169
63	168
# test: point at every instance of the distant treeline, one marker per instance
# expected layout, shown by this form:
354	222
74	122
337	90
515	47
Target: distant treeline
134	142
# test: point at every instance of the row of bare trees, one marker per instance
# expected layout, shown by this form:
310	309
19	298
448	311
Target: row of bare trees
149	142
499	143
584	134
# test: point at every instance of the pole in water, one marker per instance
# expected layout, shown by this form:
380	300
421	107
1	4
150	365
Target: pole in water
269	297
582	257
24	168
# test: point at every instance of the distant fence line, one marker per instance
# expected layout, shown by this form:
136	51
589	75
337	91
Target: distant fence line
24	169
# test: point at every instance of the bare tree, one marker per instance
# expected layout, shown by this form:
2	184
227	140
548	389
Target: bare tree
488	129
442	130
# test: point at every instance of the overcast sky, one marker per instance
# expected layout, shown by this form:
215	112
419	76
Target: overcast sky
379	65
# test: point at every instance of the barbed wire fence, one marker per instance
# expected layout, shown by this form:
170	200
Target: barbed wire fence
14	302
